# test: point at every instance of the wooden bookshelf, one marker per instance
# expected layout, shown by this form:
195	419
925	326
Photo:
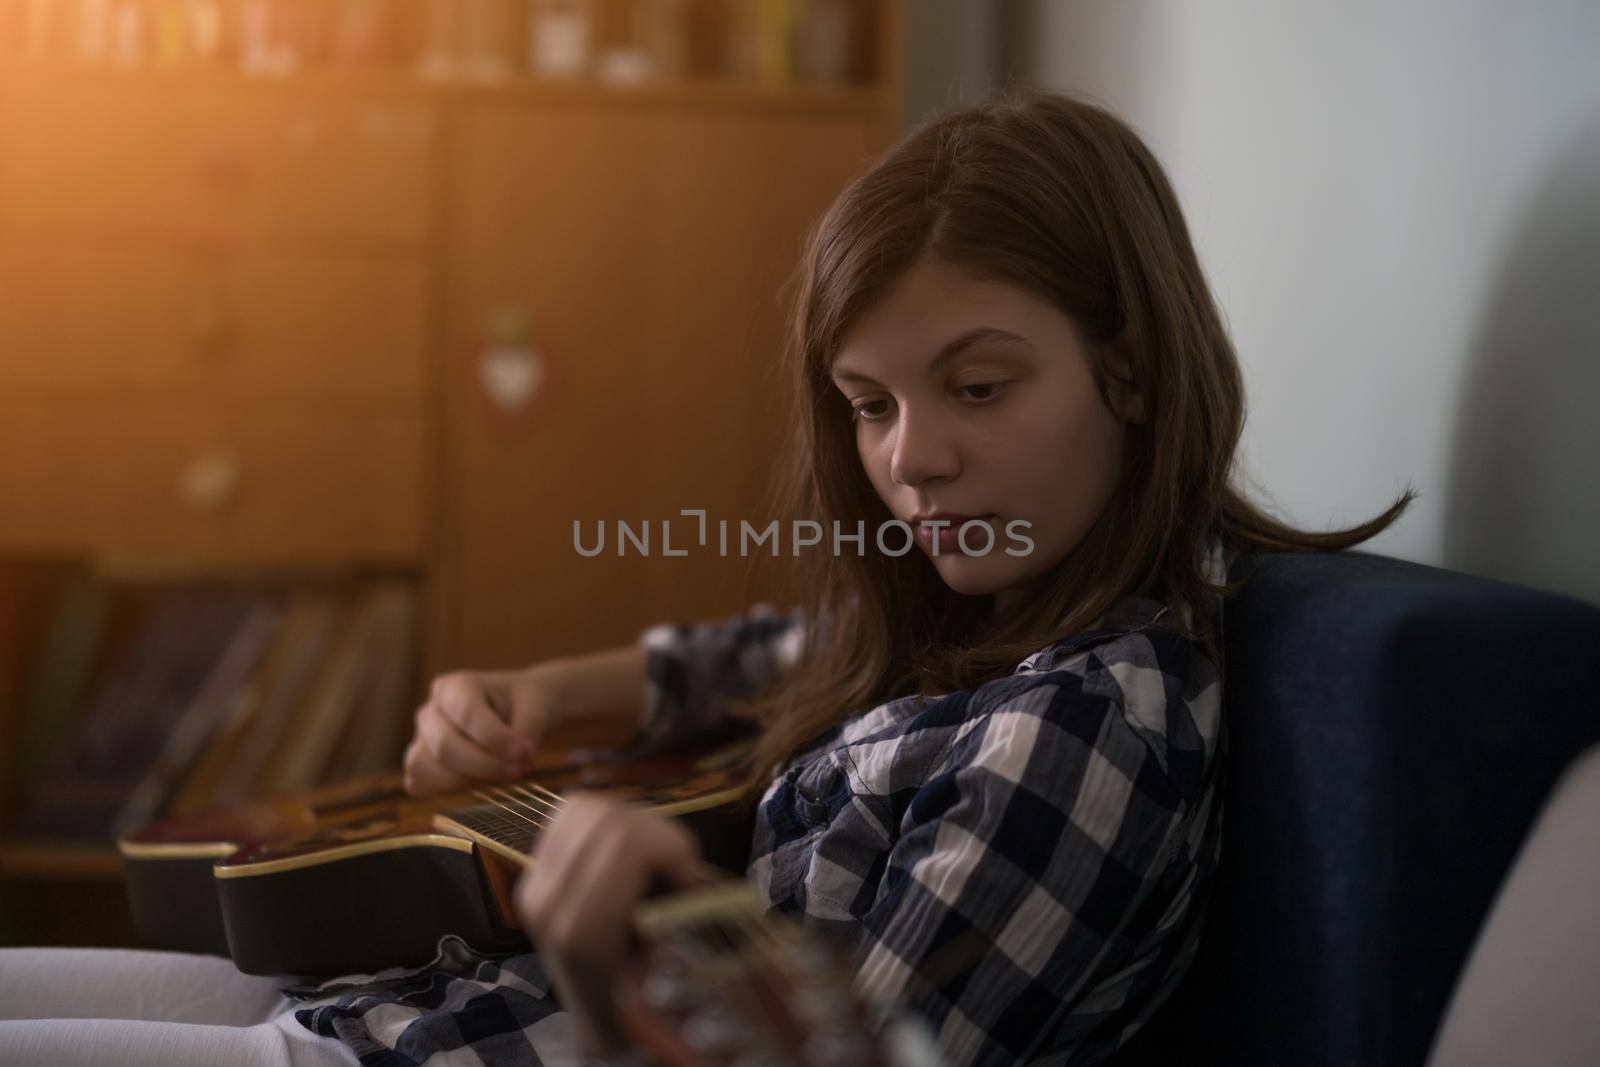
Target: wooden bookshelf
274	289
706	94
53	860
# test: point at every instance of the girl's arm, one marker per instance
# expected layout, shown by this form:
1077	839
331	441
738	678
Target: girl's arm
481	726
691	671
478	726
598	694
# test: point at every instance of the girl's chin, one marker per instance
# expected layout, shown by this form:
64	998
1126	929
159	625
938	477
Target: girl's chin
973	575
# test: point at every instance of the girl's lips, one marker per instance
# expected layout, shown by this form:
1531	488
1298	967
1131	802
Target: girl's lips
947	539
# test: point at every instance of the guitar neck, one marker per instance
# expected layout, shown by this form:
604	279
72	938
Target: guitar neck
508	818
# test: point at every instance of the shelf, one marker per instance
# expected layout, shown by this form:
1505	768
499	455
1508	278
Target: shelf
706	95
712	95
26	859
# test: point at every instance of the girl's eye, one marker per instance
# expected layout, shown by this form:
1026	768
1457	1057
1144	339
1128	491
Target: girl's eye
985	391
866	410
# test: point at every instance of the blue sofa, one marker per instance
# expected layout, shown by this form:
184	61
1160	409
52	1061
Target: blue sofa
1394	729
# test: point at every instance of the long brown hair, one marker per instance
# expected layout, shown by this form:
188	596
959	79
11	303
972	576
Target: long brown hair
1060	198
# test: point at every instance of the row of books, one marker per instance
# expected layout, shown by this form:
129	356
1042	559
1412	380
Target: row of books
478	40
129	701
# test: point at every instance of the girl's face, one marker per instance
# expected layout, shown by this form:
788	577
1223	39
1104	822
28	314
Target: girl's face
975	399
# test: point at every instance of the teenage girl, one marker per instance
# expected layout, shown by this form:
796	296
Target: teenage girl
997	772
992	760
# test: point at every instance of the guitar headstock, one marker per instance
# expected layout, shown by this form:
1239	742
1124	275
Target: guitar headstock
722	984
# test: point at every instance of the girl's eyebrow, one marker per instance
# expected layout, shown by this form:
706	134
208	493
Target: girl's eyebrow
952	348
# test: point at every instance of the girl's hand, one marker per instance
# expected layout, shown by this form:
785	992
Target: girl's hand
597	860
479	726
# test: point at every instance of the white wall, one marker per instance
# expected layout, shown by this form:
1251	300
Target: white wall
1398	205
951	46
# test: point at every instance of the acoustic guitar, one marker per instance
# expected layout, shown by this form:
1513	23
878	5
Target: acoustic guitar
360	876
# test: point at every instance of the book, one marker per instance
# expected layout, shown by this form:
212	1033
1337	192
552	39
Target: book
311	736
13	657
380	723
223	688
135	706
223	753
63	665
311	628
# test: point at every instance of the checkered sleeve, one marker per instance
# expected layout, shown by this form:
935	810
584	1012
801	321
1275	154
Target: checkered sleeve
1027	901
692	669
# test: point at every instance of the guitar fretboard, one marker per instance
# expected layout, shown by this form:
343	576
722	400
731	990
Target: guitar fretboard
509	815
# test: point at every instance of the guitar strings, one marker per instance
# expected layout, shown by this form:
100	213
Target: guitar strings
542	804
538	823
531	794
512	792
552	802
511	832
490	820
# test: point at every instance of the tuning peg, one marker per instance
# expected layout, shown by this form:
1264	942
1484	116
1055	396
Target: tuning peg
837	1045
668	989
714	1029
909	1042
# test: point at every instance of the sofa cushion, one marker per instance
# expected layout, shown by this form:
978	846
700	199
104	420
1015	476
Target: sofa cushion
1393	729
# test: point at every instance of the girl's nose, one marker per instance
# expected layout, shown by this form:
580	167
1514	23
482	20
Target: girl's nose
924	450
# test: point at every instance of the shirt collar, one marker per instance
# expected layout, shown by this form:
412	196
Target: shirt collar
1130	615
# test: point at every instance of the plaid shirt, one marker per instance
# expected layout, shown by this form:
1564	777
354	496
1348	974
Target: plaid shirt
1025	865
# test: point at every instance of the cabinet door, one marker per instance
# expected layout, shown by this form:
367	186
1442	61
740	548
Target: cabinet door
143	316
649	253
94	156
191	475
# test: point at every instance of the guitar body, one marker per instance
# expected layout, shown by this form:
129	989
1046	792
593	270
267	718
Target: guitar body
359	876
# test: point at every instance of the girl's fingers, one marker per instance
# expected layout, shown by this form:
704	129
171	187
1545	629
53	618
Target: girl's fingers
593	867
590	922
589	871
586	995
555	857
424	777
674	856
454	751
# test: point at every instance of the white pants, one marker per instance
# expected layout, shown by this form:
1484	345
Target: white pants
136	1008
1530	992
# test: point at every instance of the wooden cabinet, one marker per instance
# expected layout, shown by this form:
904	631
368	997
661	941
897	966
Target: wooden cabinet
277	276
85	314
244	320
162	160
189	475
214	317
648	253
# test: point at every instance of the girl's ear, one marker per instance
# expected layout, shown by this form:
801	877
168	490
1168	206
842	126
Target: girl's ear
1127	401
